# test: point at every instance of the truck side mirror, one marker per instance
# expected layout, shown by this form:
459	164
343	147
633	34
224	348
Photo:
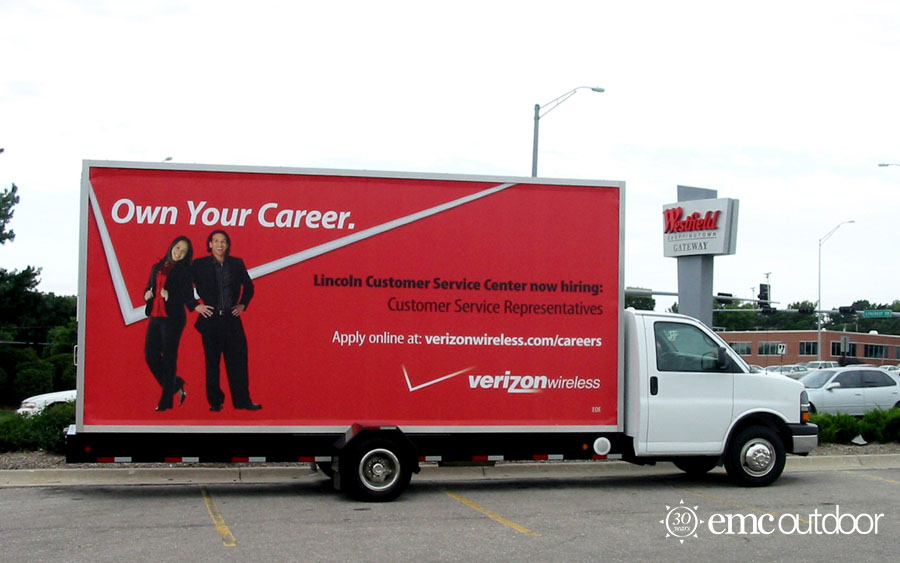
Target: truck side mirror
723	358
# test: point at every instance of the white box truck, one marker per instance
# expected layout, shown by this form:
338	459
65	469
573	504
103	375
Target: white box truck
371	321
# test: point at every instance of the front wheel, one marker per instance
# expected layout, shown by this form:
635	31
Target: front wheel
375	470
755	457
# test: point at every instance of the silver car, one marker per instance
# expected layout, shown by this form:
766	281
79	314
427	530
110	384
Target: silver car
851	390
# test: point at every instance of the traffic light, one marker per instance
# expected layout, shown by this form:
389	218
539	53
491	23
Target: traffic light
763	292
846	310
806	310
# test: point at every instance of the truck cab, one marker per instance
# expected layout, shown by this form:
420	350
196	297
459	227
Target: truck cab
692	400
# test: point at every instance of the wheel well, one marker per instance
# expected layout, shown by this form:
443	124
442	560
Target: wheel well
767	420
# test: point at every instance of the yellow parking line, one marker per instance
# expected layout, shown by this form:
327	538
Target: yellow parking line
218	520
493	515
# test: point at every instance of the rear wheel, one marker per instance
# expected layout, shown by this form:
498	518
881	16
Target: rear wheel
375	470
697	465
755	457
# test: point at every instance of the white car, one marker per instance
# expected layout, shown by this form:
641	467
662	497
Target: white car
821	364
36	404
851	390
790	370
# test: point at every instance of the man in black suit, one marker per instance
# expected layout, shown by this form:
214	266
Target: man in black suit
225	288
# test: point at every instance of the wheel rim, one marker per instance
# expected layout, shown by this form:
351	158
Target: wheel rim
758	457
379	469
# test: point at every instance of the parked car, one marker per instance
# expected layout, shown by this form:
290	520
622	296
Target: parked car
36	404
791	370
821	364
851	390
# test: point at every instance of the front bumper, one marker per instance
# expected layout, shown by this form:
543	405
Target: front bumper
805	438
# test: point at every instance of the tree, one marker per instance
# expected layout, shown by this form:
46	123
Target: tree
8	198
18	300
29	316
642	303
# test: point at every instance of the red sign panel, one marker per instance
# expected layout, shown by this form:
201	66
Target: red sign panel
338	298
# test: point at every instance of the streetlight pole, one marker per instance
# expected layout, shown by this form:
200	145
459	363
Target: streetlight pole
538	115
819	302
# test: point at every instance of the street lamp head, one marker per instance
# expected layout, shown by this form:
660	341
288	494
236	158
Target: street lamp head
596	89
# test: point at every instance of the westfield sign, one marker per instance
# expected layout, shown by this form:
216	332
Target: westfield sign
676	222
700	227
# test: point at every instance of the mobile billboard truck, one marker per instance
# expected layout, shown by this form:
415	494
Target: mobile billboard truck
369	322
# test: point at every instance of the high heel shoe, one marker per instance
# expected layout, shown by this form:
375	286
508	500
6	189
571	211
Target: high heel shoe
183	395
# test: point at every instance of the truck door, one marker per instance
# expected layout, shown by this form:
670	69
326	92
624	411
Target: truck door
690	399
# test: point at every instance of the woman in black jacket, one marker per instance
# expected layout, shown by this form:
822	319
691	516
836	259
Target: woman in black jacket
169	294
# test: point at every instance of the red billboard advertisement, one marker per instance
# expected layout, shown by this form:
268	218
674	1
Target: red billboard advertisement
255	299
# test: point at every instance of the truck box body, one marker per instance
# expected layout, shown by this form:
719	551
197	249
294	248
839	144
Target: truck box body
396	318
423	302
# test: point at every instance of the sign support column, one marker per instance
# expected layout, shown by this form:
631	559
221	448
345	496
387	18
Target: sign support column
695	273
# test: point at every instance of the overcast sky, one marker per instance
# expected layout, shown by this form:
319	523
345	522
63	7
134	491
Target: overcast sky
787	106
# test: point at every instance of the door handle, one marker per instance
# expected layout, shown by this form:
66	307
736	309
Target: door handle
654	385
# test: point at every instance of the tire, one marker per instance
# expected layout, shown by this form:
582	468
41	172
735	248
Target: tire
696	465
755	457
375	470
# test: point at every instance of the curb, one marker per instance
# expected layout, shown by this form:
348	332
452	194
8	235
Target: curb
429	472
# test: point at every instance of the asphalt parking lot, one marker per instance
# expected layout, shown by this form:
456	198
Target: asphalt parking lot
571	512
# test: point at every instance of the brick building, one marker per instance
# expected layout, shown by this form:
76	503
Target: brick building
762	347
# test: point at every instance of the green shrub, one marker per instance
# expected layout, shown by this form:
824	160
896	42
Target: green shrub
16	434
837	428
846	428
826	427
49	427
872	426
44	431
891	432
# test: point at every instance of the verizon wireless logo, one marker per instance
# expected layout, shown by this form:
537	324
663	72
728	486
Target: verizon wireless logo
512	383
